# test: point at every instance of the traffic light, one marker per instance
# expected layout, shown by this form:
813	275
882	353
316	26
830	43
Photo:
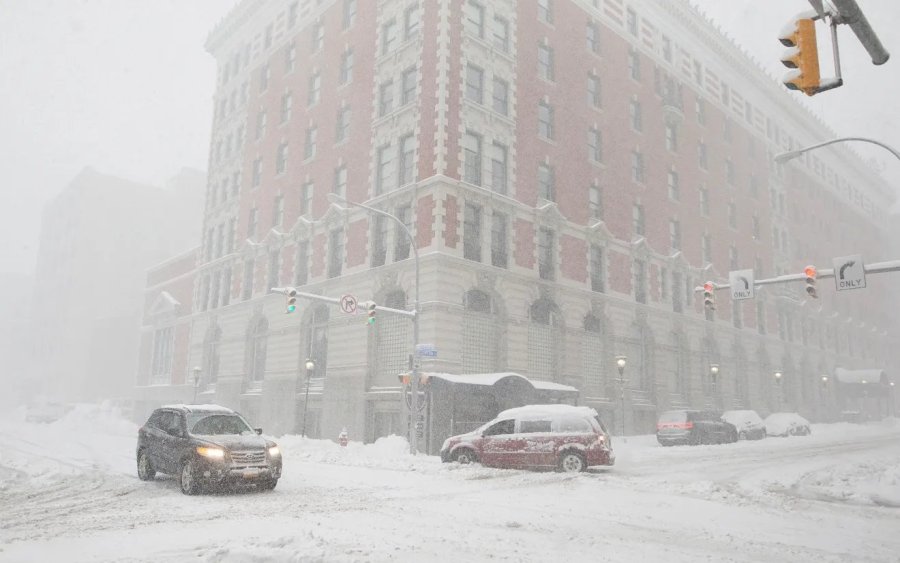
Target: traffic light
709	295
802	54
810	272
291	304
371	308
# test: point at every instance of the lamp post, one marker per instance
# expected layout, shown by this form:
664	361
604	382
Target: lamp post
414	383
893	401
825	395
310	369
865	401
778	375
783	157
714	376
197	372
620	365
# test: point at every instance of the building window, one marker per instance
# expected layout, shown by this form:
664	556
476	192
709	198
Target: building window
729	171
388	37
384	167
631	22
671	137
675	234
260	125
593	38
501	34
257	171
281	159
700	107
545	120
701	155
595	201
301	268
674	187
306	198
499	239
501	96
598	274
401	241
634	64
379	240
637	166
247	287
252	220
474	84
637	219
386	98
406	169
704	202
340	181
760	317
546	182
309	150
677	293
593	91
315	89
290	57
256	352
472	232
335	252
317	37
667	49
349	15
640	281
545	62
274	270
595	145
636	115
732	215
545	11
472	158
342	127
411	22
287	101
755	227
163	352
277	210
706	248
264	74
475	19
546	253
408	95
346	66
499	177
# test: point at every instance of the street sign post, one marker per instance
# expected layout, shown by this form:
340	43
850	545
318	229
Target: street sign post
849	272
741	282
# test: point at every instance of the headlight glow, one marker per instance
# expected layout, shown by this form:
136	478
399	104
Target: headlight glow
215	453
274	451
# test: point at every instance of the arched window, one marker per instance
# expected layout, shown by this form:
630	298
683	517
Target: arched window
480	334
545	340
257	337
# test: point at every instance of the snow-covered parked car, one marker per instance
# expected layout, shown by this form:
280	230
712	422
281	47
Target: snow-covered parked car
565	437
748	423
787	424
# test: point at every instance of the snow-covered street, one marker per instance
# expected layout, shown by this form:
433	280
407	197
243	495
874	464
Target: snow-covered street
68	491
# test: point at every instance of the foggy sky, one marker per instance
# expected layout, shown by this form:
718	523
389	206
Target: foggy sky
126	86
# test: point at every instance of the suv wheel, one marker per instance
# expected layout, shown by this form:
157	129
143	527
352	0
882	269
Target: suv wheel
144	468
464	456
188	480
268	484
572	462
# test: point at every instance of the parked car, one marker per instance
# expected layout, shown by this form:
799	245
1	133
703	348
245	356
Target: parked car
44	411
694	427
206	446
564	437
748	423
787	424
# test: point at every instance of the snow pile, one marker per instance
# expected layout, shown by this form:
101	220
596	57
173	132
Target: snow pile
387	453
872	482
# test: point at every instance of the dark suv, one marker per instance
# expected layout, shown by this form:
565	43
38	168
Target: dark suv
206	446
694	427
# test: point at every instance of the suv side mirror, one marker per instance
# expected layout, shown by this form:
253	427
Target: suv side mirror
258	430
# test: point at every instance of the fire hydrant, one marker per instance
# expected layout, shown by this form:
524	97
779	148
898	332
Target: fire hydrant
343	437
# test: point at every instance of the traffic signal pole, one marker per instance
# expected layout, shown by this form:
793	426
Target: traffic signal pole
877	268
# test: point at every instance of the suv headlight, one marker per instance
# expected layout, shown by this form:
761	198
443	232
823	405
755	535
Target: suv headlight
274	451
214	453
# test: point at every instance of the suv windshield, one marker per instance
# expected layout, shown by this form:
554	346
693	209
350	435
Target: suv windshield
673	416
216	424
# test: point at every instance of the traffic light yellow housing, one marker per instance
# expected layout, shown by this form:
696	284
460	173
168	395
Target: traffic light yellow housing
802	56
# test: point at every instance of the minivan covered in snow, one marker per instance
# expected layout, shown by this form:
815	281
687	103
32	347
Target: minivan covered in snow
564	437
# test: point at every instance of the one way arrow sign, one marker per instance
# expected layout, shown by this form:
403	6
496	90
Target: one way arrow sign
849	272
741	282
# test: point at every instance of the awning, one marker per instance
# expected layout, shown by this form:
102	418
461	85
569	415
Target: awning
489	379
868	376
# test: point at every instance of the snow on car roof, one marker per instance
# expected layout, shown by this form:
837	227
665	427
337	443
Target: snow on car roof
199	408
546	410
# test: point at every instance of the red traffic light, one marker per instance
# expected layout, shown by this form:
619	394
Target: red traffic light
810	271
708	287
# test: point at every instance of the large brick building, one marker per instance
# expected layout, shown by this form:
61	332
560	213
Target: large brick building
571	170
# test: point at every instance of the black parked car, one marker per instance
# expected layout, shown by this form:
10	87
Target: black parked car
206	446
694	427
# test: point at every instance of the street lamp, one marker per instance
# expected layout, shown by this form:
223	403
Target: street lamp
778	375
197	372
714	376
783	157
414	383
824	381
310	369
620	364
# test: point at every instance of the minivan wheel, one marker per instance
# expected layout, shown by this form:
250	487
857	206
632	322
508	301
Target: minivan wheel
189	483
144	468
572	462
464	456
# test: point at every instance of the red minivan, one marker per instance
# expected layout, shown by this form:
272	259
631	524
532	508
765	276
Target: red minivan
564	437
